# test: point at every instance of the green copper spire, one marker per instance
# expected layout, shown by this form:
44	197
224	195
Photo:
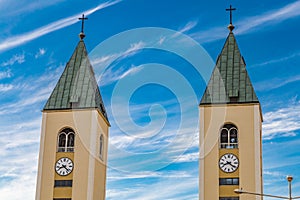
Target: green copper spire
230	82
77	87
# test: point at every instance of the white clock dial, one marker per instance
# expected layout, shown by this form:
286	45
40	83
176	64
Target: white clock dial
64	166
228	163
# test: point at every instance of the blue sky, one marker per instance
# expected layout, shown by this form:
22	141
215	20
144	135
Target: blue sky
153	139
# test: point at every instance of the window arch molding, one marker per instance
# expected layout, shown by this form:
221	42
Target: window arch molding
229	136
66	140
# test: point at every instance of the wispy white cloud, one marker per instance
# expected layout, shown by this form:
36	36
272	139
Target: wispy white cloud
272	17
5	87
40	53
274	150
13	8
131	139
177	138
179	188
158	145
23	132
5	74
161	40
112	194
17	58
131	50
190	25
15	181
168	184
18	150
282	122
26	37
273	173
19	138
188	157
186	28
252	23
131	71
14	107
111	75
276	83
115	175
271	177
31	92
277	60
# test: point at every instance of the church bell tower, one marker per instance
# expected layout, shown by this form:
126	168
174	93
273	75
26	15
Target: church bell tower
230	129
74	135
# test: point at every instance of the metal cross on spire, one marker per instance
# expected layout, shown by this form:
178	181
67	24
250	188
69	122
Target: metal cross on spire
82	35
230	9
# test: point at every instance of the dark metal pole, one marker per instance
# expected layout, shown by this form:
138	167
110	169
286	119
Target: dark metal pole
258	194
290	178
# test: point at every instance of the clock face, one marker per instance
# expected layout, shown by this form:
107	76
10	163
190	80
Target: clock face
228	163
64	166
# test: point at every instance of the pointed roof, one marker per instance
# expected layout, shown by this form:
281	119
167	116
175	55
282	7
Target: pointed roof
77	87
229	82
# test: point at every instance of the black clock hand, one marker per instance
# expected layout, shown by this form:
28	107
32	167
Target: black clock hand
65	166
231	165
60	167
225	163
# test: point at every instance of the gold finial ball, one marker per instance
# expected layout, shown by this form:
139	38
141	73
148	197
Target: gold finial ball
230	27
289	178
81	35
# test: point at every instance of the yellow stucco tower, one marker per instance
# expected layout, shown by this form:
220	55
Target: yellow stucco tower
230	130
74	136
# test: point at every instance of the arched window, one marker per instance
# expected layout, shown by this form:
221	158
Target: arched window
66	140
101	147
62	140
229	136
